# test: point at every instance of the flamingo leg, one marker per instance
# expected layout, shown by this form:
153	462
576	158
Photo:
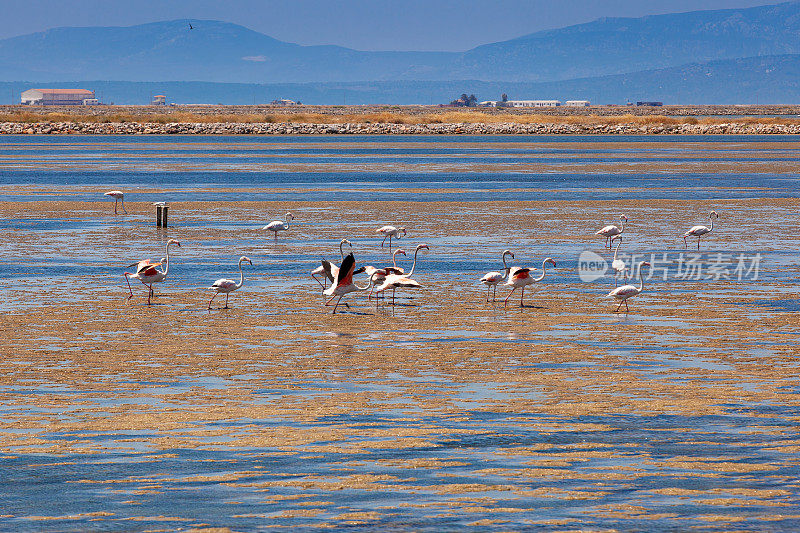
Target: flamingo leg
393	295
509	295
129	285
337	304
212	299
521	297
115	206
384	240
328	303
620	305
149	294
698	243
686	246
318	281
226	300
390	243
494	294
123	207
626	306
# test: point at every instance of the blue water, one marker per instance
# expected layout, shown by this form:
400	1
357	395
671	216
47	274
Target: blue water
482	437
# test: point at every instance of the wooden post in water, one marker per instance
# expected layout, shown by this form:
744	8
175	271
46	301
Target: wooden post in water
161	214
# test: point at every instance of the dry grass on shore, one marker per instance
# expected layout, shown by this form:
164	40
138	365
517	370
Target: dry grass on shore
447	117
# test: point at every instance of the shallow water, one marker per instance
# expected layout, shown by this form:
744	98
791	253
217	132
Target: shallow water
444	412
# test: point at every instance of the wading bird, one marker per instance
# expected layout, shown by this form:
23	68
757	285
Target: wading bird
618	265
344	283
147	273
521	277
612	230
381	273
328	270
699	231
629	291
279	225
493	279
394	281
389	232
227	286
118	197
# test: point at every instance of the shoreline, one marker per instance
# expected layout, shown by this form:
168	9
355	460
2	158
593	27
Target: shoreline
289	128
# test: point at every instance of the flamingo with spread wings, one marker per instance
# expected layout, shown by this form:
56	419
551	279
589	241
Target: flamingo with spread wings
147	273
344	283
521	278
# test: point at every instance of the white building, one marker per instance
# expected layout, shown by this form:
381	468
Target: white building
56	96
532	103
577	103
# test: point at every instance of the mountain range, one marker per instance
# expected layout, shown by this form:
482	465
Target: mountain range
731	55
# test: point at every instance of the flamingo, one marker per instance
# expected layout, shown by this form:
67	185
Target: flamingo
612	230
381	273
344	282
699	231
147	273
227	286
118	197
279	225
618	265
393	281
629	291
521	277
389	232
493	279
327	268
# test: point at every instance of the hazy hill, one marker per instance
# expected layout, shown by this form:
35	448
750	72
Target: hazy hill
212	51
219	51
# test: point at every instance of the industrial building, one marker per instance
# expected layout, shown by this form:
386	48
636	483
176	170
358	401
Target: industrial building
532	103
577	103
159	99
58	97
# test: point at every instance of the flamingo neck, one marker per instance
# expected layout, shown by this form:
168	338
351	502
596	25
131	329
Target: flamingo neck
394	259
712	225
506	268
341	251
641	278
166	268
241	276
414	265
622	226
544	271
617	249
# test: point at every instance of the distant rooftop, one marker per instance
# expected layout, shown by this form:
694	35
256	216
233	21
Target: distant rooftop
63	91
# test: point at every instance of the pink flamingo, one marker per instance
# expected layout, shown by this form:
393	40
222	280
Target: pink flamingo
227	286
381	273
493	279
328	270
629	291
279	225
618	265
393	281
521	277
344	283
118	197
389	232
612	230
147	273
699	231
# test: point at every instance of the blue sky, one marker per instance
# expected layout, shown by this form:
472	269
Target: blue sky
361	24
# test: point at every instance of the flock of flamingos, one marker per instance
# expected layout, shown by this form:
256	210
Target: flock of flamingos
394	277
